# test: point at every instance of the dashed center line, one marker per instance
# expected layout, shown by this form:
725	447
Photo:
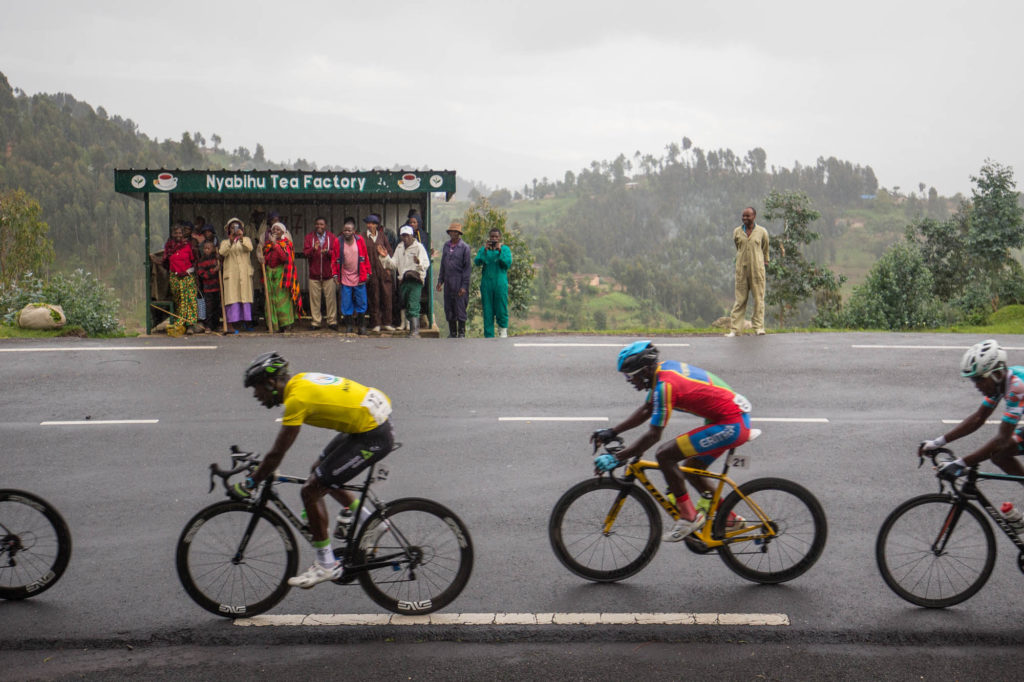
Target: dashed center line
72	349
591	345
552	419
882	346
363	619
78	422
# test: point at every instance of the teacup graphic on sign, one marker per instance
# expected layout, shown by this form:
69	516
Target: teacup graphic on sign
409	182
166	182
436	181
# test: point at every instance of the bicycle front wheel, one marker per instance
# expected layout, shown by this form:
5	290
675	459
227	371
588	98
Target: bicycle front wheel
935	552
591	547
427	555
35	545
225	581
796	518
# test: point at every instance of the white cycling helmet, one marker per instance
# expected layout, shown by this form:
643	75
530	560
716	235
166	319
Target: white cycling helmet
982	358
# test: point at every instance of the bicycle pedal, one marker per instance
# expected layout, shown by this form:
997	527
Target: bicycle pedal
345	579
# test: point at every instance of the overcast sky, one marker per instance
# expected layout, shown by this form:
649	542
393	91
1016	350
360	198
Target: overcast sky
509	91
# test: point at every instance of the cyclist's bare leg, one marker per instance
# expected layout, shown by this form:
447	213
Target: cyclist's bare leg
1006	459
345	497
668	457
316	511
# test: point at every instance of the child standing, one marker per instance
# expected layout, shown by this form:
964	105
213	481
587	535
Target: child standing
209	280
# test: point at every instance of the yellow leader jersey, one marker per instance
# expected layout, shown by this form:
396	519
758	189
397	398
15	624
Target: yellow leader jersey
332	402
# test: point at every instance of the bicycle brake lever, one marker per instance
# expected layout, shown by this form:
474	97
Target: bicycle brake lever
213	468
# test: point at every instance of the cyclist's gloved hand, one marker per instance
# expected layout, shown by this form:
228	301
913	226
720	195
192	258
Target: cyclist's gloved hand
933	444
606	462
601	436
951	471
243	489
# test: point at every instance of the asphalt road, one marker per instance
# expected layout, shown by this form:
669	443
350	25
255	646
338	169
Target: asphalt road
127	490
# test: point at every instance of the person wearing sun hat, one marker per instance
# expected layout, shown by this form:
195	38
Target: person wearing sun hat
410	261
380	287
456	269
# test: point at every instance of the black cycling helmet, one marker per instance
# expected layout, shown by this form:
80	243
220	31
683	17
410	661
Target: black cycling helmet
265	366
636	356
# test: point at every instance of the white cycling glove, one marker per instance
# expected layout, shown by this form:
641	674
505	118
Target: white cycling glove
933	444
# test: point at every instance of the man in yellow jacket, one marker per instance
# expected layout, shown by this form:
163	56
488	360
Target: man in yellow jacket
751	255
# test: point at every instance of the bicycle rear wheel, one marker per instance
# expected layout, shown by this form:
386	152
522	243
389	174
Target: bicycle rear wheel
428	554
35	545
935	578
582	543
221	581
796	518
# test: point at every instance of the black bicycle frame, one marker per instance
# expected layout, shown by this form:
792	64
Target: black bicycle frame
969	491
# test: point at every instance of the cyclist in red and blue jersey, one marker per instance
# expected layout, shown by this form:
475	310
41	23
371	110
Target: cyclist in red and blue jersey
677	386
984	363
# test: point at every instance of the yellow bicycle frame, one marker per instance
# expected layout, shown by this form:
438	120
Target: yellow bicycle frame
765	529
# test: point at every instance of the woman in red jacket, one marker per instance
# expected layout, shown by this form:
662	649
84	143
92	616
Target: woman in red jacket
282	280
180	260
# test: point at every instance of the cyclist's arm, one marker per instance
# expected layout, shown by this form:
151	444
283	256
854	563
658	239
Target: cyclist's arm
1002	440
285	437
641	444
972	423
642	414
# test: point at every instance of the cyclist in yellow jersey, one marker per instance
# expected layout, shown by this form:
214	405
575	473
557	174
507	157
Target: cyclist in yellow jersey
358	412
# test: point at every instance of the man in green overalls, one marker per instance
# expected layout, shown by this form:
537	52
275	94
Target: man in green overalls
496	259
751	255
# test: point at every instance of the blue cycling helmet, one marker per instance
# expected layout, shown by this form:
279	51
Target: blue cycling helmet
636	356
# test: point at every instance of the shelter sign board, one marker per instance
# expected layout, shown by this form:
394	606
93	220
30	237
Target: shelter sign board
226	182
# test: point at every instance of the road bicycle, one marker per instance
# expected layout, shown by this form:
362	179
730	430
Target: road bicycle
937	550
35	545
609	528
411	556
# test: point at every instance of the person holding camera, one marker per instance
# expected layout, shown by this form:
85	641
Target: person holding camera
411	262
496	259
237	271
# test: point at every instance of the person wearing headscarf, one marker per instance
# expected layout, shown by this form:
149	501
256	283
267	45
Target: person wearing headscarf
237	270
282	279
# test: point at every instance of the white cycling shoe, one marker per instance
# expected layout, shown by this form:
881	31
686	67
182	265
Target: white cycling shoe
684	528
316	574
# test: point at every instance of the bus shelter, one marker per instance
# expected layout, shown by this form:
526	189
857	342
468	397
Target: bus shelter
297	196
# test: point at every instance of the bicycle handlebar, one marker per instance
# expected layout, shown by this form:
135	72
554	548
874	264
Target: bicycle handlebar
242	461
933	455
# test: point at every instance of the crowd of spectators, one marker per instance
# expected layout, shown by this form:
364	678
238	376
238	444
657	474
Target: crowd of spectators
367	281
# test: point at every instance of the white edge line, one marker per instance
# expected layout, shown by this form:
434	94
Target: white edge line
99	421
363	619
957	421
552	419
104	348
591	345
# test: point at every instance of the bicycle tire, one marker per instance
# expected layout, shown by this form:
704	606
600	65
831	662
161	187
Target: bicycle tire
35	545
440	543
578	538
235	589
799	523
911	568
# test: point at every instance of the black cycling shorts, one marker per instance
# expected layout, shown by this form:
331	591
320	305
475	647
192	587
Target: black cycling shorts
349	453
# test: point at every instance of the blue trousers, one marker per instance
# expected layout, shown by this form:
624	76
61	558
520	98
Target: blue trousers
353	299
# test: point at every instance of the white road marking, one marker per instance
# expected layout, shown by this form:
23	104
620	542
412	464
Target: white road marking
886	347
552	419
100	421
591	345
85	348
802	420
362	619
957	421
